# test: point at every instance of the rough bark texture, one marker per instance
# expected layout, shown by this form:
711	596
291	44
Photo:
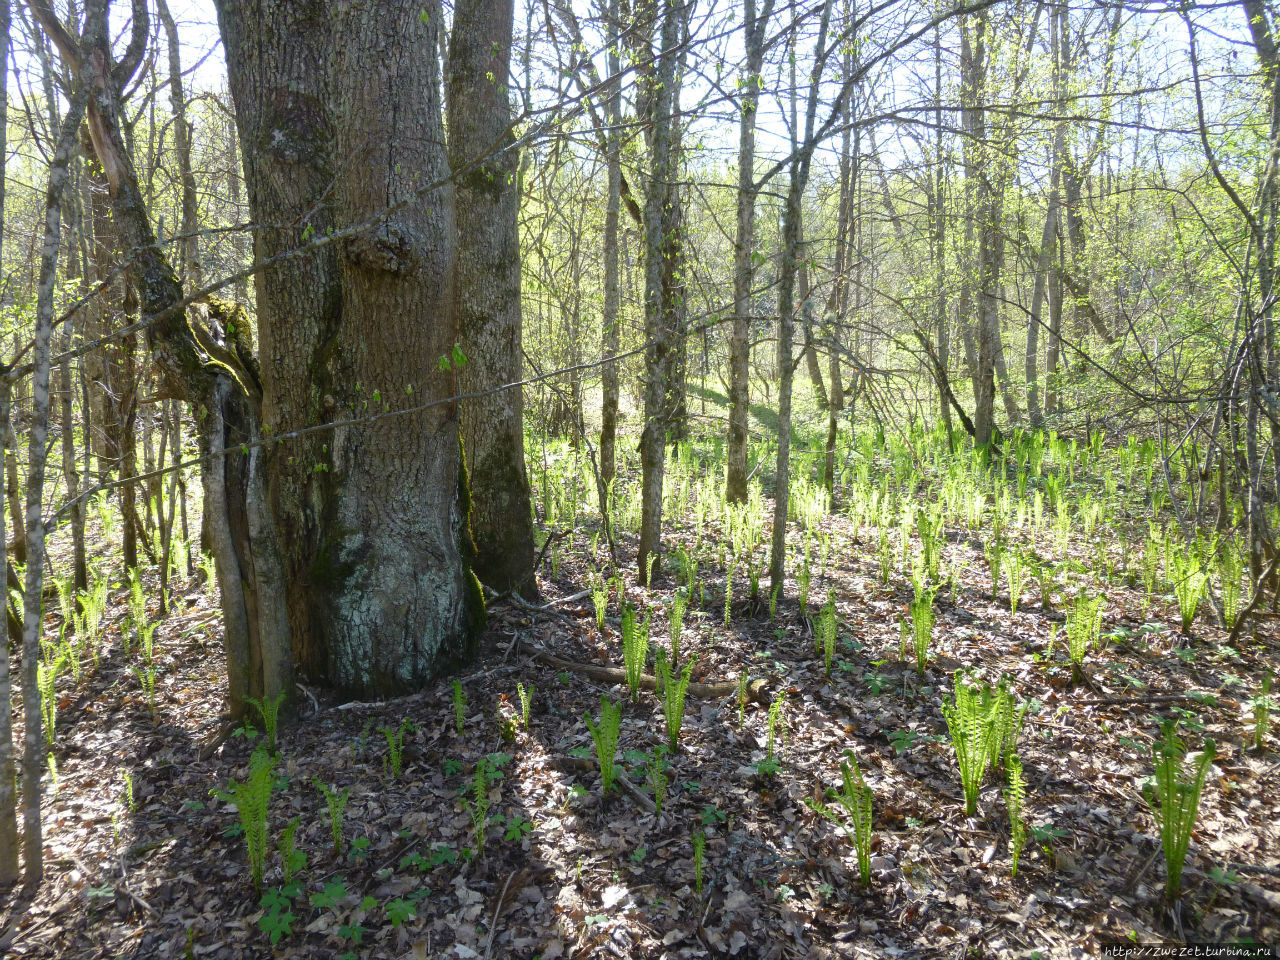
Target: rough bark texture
481	150
340	120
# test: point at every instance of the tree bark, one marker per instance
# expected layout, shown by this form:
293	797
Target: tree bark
743	249
1048	236
978	225
482	152
180	358
8	773
609	335
33	759
372	519
664	253
190	244
802	147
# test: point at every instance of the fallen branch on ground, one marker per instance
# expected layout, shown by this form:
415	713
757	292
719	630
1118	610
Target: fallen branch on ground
756	691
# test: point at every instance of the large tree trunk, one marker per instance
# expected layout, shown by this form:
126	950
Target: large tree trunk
372	519
482	151
743	244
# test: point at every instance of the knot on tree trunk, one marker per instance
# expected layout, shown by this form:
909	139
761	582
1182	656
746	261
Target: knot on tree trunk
391	248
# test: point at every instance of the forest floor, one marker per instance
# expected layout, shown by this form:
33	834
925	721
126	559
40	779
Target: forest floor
143	862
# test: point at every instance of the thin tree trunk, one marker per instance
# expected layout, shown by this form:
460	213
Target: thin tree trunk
743	249
8	796
190	246
942	327
663	281
1051	393
979	196
1048	236
8	774
33	760
803	144
806	324
235	176
609	345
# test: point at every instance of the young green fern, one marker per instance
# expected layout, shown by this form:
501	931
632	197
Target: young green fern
251	800
605	735
855	798
1015	571
1084	624
635	648
526	701
1007	717
929	524
269	709
1230	572
1015	799
673	690
1175	802
994	551
922	620
675	614
656	771
47	681
972	726
803	583
1262	705
336	803
699	856
728	592
146	676
774	725
478	804
600	598
459	706
1189	580
291	859
824	631
395	747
